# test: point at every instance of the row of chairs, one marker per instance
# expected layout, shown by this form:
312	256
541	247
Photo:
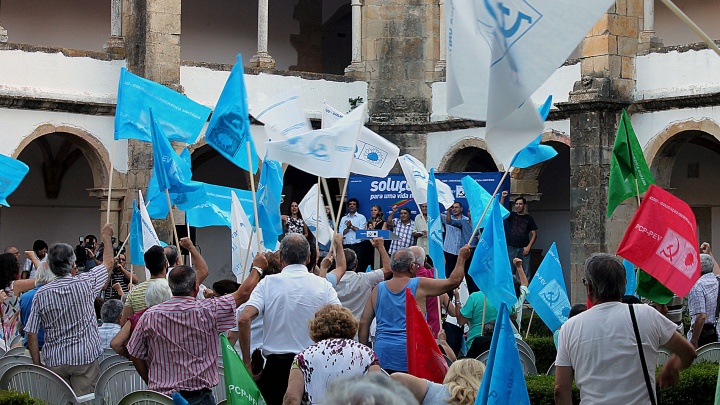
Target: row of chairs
527	357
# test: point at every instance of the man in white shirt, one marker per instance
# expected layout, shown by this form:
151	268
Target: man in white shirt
287	301
351	222
599	350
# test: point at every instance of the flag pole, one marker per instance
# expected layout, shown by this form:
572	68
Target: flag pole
529	324
488	206
347	177
317	218
123	245
172	218
112	165
482	324
247	254
684	18
187	226
254	197
333	229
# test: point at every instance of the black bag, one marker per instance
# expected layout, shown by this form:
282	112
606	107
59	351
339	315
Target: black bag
708	334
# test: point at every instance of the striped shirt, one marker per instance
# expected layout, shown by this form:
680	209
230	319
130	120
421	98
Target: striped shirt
136	297
702	299
179	341
404	233
64	308
456	233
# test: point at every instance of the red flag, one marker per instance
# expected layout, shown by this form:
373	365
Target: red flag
662	240
424	357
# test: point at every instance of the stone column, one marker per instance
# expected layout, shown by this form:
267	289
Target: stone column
262	58
116	43
3	34
120	224
356	63
648	40
442	61
152	33
594	108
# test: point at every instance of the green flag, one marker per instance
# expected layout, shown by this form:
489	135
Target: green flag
650	288
239	385
627	165
717	389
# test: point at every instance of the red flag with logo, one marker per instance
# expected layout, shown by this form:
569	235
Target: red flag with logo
662	240
423	354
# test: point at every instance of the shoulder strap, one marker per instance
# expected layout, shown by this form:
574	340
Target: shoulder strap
642	355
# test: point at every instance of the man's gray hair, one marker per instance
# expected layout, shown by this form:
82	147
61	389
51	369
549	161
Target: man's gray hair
43	274
182	280
61	259
350	259
606	276
111	310
402	261
172	254
707	263
158	291
419	254
294	249
371	389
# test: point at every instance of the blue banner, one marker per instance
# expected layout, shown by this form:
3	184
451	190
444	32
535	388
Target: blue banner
548	294
390	190
12	172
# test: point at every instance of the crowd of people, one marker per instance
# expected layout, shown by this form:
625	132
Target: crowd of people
327	330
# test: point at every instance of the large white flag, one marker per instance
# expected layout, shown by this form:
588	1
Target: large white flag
501	51
316	221
374	155
240	231
282	115
149	236
417	178
323	152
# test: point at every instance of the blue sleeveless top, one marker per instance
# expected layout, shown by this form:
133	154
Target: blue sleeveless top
390	336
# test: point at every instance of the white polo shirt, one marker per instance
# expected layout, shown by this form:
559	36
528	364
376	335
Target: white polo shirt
287	302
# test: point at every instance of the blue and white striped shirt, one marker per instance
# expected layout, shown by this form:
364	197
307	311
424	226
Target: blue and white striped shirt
65	309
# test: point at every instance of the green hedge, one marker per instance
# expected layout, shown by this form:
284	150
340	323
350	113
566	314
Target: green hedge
696	387
537	328
18	398
545	352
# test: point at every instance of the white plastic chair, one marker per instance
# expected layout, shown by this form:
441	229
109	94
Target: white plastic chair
663	356
16	351
105	354
17	341
219	390
483	357
116	382
551	370
528	364
8	361
42	384
105	364
145	397
524	347
711	355
706	347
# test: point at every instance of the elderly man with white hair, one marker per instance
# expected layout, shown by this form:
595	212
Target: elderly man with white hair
702	305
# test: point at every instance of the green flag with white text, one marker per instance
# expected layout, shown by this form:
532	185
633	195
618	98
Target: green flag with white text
627	165
239	385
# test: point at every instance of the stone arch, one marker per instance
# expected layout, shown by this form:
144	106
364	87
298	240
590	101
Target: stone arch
525	181
661	151
467	152
91	147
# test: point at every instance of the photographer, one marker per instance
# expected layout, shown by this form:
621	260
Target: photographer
90	245
118	279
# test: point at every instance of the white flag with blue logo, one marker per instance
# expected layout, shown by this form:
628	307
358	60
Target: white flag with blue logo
283	115
149	236
240	232
500	52
374	155
316	222
417	178
324	152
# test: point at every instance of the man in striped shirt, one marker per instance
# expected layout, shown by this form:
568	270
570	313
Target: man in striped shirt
64	308
175	344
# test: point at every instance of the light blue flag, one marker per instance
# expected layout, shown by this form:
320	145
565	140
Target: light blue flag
504	381
490	267
535	153
631	285
548	294
229	128
215	209
12	173
478	198
177	115
137	256
269	194
435	238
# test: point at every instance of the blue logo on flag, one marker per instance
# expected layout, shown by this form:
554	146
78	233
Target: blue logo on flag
504	24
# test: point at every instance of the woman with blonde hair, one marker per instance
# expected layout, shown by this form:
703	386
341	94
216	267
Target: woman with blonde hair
460	386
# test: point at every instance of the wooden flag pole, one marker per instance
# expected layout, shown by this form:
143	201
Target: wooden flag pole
488	206
247	255
254	197
123	245
482	324
529	324
112	166
332	215
684	18
317	218
187	226
172	219
347	176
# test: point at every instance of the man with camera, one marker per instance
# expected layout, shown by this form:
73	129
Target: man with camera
118	279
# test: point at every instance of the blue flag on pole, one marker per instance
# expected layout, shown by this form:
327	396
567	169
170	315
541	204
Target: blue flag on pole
435	238
548	294
215	209
269	194
631	285
12	173
478	198
177	115
504	381
490	266
229	128
535	153
137	256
